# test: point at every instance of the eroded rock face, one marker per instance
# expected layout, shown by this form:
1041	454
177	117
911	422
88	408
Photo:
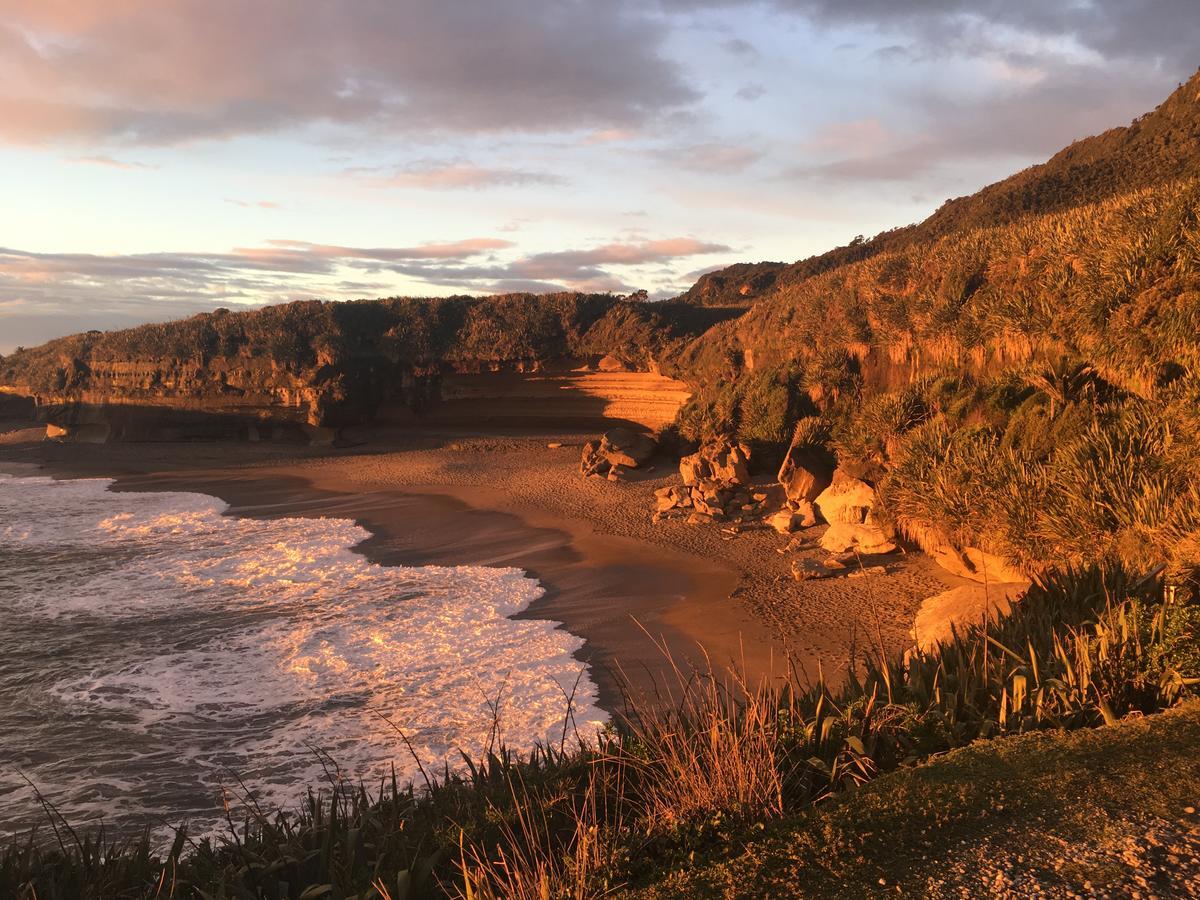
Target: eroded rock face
721	461
961	607
806	472
620	447
976	564
847	500
345	365
866	538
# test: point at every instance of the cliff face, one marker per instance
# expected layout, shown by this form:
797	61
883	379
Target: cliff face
311	368
1111	286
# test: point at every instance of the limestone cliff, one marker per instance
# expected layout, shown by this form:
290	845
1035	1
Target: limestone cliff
310	368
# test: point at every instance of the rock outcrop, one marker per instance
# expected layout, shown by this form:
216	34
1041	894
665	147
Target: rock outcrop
282	370
806	472
716	486
620	447
558	396
720	461
961	607
847	504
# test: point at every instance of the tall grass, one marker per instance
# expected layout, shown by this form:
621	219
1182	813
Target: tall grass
697	769
1117	486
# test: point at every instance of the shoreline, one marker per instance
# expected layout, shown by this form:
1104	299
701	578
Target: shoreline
609	575
583	577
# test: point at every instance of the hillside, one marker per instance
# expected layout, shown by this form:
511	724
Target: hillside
326	365
1030	389
1158	146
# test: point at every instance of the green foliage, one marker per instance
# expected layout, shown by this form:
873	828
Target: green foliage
759	408
871	430
1119	488
379	338
1083	648
1057	358
811	431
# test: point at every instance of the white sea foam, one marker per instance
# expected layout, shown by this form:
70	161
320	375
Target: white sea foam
155	650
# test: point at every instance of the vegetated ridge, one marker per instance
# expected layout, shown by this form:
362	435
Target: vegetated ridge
1158	146
328	365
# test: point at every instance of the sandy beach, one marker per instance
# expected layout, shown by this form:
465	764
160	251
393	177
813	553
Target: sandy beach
627	585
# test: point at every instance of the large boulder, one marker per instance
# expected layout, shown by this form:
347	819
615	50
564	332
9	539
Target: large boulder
976	564
618	447
788	519
866	538
963	606
626	447
847	500
806	472
720	461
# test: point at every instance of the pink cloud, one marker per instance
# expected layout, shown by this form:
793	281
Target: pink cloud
443	175
110	162
254	204
451	250
855	136
166	71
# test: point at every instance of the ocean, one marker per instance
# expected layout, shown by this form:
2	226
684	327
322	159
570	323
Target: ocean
158	658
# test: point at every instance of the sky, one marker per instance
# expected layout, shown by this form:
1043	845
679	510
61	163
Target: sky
164	157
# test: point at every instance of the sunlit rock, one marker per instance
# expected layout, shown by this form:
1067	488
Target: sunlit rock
961	607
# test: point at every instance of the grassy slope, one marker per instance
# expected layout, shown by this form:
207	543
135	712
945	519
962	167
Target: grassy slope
1159	146
1061	808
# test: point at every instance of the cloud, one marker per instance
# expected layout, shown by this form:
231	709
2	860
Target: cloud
263	274
635	253
583	270
892	53
156	72
452	250
851	136
610	136
254	204
710	157
742	48
109	162
1162	31
458	175
750	92
1024	118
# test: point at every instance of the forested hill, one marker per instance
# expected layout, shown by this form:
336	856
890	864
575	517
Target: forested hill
1158	146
